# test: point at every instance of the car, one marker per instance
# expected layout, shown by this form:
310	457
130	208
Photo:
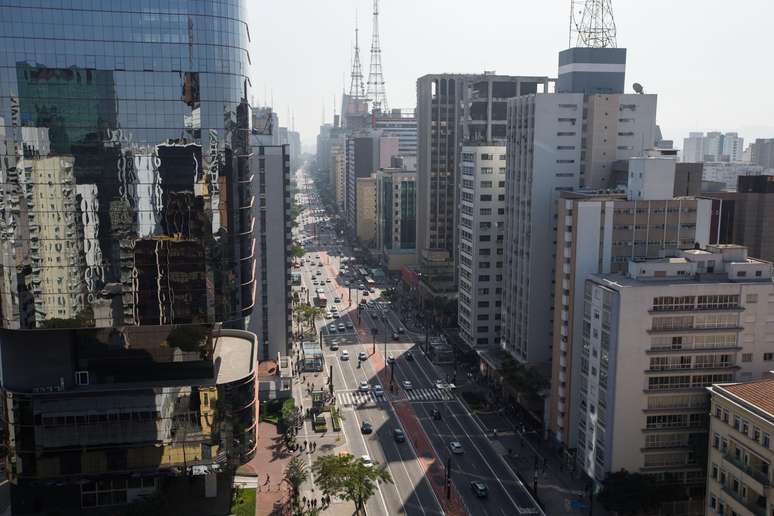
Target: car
409	356
378	390
399	435
401	329
315	283
456	448
362	356
344	355
365	293
318	273
328	314
320	290
479	488
337	299
349	325
346	283
341	327
375	316
365	427
363	302
436	414
395	336
331	328
390	359
327	280
366	460
372	291
439	384
361	287
335	346
407	385
364	386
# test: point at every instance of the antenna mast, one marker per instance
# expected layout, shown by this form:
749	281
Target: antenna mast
376	90
356	86
592	24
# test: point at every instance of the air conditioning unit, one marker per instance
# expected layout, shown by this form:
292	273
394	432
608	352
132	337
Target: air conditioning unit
82	378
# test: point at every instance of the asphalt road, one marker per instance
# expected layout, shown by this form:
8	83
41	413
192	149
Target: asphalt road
411	492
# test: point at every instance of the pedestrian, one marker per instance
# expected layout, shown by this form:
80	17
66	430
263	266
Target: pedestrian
267	479
305	445
315	446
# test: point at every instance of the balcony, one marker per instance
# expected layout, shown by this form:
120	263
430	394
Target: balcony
743	505
755	477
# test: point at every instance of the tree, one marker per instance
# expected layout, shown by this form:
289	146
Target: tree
349	478
291	421
297	251
522	379
632	493
295	475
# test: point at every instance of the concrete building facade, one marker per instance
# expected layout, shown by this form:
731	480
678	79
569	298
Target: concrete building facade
740	456
753	214
453	110
396	214
714	146
599	233
366	211
653	340
401	124
481	255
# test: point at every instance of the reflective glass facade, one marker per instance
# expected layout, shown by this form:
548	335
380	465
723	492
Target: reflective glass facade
125	195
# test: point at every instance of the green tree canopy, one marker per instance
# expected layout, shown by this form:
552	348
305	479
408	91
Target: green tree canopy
522	379
349	478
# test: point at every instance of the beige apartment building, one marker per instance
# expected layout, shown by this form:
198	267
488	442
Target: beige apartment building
740	458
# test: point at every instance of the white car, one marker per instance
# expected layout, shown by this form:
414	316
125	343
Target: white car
407	385
344	354
364	386
439	384
366	460
456	448
328	315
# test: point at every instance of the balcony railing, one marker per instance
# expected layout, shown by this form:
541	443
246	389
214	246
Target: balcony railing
755	509
756	473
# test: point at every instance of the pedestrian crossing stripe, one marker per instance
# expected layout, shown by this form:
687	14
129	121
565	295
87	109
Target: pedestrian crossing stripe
429	394
357	398
364	398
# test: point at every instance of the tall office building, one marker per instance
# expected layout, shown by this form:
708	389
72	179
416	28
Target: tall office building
366	211
753	212
560	142
396	216
598	233
271	318
362	160
482	229
714	146
653	340
119	377
453	110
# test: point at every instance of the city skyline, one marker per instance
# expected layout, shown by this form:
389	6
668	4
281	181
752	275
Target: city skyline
691	91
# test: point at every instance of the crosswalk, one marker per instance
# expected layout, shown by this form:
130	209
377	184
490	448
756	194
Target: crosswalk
357	398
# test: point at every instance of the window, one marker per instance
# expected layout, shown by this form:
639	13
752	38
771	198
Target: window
766	442
752	298
747	357
485	197
768	357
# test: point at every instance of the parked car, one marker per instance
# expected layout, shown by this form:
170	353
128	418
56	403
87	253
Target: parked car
399	435
365	427
364	386
344	354
362	356
479	488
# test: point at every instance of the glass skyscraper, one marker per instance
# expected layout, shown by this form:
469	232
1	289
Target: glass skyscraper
126	248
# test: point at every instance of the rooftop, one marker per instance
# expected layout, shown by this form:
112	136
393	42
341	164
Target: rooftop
758	393
234	355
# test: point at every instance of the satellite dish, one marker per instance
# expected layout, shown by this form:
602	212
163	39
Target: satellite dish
638	88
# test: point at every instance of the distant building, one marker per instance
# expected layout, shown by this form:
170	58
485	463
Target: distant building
654	339
713	146
740	457
729	173
762	153
362	160
402	125
482	229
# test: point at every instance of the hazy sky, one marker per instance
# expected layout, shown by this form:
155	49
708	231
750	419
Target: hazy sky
709	61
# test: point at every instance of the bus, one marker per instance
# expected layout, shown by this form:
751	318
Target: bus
369	281
320	300
363	273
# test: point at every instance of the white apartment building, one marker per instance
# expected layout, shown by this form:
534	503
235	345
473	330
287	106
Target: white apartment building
728	173
714	146
653	340
481	232
599	233
557	142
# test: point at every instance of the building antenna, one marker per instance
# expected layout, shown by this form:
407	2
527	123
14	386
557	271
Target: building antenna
592	24
356	86
376	90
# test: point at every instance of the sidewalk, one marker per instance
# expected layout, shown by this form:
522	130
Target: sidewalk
269	462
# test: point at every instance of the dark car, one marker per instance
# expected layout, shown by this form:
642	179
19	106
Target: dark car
409	356
395	336
366	427
479	488
436	414
399	435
